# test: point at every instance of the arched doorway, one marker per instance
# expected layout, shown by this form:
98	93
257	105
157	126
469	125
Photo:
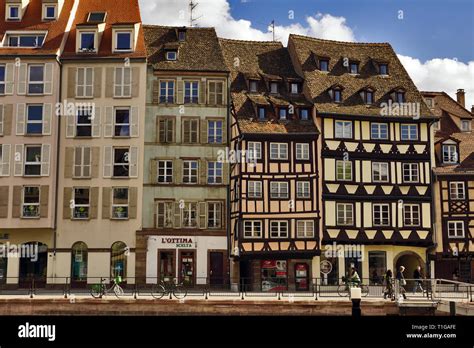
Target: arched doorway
118	260
3	264
79	264
410	260
33	264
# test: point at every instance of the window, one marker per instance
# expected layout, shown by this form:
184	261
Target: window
303	189
410	172
36	79
191	92
98	17
166	91
190	131
25	40
171	55
85	83
456	191
262	113
120	203
369	97
379	131
165	172
216	92
34	119
123	82
182	35
254	189
304	114
343	170
164	214
254	150
84	122
400	97
123	41
324	65
214	215
409	132
190	215
344	129
465	126
411	215
121	162
294	88
283	112
87	43
253	86
302	151
13	12
278	190
456	229
49	12
166	130
345	214
31	202
354	68
278	151
379	172
81	203
214	172
429	102
305	229
252	229
2	79
79	262
33	160
337	95
450	154
190	172
82	162
279	229
436	125
118	260
381	214
214	132
122	122
274	87
383	69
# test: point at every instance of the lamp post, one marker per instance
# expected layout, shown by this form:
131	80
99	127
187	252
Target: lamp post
356	295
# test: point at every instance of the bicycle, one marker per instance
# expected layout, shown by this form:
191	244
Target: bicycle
169	287
99	290
345	289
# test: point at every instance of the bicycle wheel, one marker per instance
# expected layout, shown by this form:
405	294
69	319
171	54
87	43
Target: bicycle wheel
158	291
343	291
180	292
96	291
364	290
118	290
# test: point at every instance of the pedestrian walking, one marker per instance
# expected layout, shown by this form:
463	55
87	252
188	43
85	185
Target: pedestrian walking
388	280
401	281
418	280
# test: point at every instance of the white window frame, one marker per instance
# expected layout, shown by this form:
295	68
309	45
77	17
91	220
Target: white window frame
413	175
36	163
348	214
86	50
279	229
465	125
213	131
45	11
381	166
409	128
121	86
87	206
193	86
457	190
35	82
214	168
274	87
83	71
117	205
294	88
82	166
452	153
116	164
254	150
409	209
188	219
302	151
254	189
253	83
188	172
9	7
276	151
303	189
35	204
217	218
340	129
3	83
378	131
80	112
252	229
279	190
346	169
383	214
124	31
27	121
167	89
171	56
167	215
456	226
129	124
165	166
305	229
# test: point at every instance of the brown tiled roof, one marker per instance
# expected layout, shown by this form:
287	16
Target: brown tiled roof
308	50
118	12
199	52
466	154
263	61
32	21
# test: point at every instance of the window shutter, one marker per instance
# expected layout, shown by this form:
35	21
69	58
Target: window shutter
135	82
71	82
44	200
96	123
5	164
97	82
45	159
89	85
177	216
179	91
47	117
202	215
18	158
224	132
106	196
109	82
68	162
202	91
20	119
95	159
7	119
16	206
70	125
177	171
202	172
94	202
67	197
170	130
132	202
134	119
133	161
160	130
48	78
9	78
22	72
204	138
109	122
108	161
153	171
4	202
2	119
225	173
156	92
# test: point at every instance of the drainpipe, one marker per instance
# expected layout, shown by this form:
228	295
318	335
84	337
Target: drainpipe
433	201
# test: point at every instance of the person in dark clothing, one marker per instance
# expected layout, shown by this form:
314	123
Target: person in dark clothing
418	280
401	281
388	285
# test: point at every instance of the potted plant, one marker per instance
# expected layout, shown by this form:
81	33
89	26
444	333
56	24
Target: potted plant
31	210
81	212
120	212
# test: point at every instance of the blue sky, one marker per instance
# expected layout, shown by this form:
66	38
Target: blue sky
430	28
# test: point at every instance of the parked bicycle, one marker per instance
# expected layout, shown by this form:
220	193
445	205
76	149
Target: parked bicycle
345	289
99	290
169	287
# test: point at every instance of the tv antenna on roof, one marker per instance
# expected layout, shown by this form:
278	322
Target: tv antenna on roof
192	6
272	26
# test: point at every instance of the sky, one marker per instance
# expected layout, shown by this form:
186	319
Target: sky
434	39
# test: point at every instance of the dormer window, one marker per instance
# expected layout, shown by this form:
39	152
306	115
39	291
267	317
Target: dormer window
253	86
25	40
274	87
304	114
324	65
450	154
436	126
97	17
429	102
123	40
13	12
49	12
383	69
182	35
336	94
262	113
283	113
354	68
368	96
294	88
465	125
400	96
87	43
171	55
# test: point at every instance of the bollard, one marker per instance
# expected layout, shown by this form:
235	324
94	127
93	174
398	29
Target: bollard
356	295
452	308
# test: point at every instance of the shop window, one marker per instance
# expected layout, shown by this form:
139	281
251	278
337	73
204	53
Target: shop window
377	267
167	266
187	268
118	260
274	275
79	262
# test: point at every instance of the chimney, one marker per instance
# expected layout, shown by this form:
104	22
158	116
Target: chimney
460	94
472	109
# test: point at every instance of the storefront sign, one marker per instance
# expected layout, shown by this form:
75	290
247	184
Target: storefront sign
326	267
177	242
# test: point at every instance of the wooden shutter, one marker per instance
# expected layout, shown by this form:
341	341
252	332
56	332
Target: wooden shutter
133	162
16	206
109	122
20	118
177	216
2	119
202	211
44	200
132	202
178	171
9	78
170	130
96	125
71	82
5	164
160	130
224	131
186	125
108	161
48	78
204	138
153	171
134	119
70	125
18	158
45	159
225	173
135	82
106	196
89	83
202	91
179	91
94	202
7	119
68	162
47	118
109	82
156	92
22	76
202	172
67	197
97	82
95	159
4	190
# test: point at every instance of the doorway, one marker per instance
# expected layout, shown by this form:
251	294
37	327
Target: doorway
216	268
166	265
33	264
